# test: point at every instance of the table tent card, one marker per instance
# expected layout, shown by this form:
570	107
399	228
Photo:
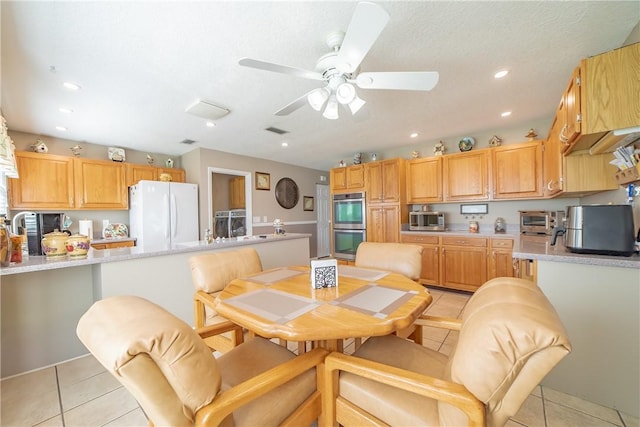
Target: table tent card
324	273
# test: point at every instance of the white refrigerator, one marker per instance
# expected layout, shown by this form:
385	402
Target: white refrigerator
162	214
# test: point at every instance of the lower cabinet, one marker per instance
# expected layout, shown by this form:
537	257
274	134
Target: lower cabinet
463	263
114	245
460	262
500	259
430	274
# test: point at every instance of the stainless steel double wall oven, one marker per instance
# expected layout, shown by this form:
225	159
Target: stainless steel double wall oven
349	224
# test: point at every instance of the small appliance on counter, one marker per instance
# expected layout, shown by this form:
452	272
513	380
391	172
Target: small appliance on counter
426	221
540	222
599	230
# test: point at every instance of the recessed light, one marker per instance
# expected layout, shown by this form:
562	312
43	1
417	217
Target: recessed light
414	135
61	128
211	125
506	114
500	74
71	86
65	110
285	144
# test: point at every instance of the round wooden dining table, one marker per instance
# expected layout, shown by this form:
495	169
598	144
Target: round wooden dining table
281	303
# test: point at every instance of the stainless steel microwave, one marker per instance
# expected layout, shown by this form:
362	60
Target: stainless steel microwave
426	221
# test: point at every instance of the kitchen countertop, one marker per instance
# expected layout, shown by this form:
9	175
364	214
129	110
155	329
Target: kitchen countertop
539	248
98	256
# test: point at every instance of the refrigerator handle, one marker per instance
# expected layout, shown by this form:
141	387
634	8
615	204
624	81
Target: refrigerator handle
174	216
167	228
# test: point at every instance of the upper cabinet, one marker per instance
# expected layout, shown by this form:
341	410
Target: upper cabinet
385	181
49	181
100	184
466	176
611	90
552	161
136	173
517	171
424	180
609	87
348	178
237	193
569	113
46	182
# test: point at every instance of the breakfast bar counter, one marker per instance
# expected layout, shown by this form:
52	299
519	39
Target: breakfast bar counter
42	300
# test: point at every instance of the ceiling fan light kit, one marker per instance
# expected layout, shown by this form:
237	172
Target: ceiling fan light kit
339	69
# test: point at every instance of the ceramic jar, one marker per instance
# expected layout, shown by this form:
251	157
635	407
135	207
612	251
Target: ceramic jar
54	244
77	245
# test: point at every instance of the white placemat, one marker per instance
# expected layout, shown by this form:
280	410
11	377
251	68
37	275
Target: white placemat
361	273
277	306
378	301
274	276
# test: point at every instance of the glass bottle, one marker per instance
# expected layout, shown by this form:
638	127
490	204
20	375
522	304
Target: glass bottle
5	244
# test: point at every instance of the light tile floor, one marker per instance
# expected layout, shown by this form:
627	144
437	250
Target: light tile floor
81	393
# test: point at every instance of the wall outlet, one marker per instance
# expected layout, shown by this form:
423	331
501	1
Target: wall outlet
256	219
264	219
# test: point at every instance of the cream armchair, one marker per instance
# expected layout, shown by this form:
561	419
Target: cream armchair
402	258
510	337
176	380
211	273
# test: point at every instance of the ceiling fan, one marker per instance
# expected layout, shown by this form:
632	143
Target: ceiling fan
339	69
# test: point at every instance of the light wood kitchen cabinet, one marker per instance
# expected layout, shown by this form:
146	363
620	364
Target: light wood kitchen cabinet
114	244
177	175
569	113
430	274
348	178
100	185
552	162
500	258
611	84
136	173
383	223
466	176
385	181
46	182
463	263
517	171
236	193
586	173
424	180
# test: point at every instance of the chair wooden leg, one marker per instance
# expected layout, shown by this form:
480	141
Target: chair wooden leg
302	347
357	342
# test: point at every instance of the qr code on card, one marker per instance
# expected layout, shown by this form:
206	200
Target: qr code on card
324	274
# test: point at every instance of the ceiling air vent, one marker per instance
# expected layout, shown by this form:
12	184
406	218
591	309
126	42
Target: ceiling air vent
276	130
187	141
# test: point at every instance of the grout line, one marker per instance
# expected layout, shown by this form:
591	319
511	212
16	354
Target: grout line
55	368
544	407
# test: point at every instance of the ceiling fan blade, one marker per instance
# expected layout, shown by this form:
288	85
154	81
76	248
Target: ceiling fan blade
408	80
294	105
277	68
366	24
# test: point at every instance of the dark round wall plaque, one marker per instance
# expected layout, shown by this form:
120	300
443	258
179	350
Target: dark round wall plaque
287	193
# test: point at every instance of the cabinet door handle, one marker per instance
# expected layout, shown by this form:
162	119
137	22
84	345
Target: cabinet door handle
562	137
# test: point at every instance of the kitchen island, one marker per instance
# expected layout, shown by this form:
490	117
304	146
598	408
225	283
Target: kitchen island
42	299
598	300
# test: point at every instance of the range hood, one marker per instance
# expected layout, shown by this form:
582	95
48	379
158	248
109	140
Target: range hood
610	141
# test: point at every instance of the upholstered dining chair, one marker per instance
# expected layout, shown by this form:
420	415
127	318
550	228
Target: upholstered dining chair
211	273
177	381
510	337
402	258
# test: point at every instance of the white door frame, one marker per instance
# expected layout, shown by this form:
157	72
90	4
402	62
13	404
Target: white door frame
248	179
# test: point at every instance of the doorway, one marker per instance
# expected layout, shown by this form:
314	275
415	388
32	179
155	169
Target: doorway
221	183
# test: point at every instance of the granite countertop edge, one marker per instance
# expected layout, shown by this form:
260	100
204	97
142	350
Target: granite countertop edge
100	256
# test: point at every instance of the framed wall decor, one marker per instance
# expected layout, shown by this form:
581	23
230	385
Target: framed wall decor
307	203
263	181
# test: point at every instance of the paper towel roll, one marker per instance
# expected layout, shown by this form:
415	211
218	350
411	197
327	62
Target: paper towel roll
85	226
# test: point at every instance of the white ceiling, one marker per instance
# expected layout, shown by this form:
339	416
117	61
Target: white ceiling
141	64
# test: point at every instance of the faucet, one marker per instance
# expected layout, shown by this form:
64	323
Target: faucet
16	219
